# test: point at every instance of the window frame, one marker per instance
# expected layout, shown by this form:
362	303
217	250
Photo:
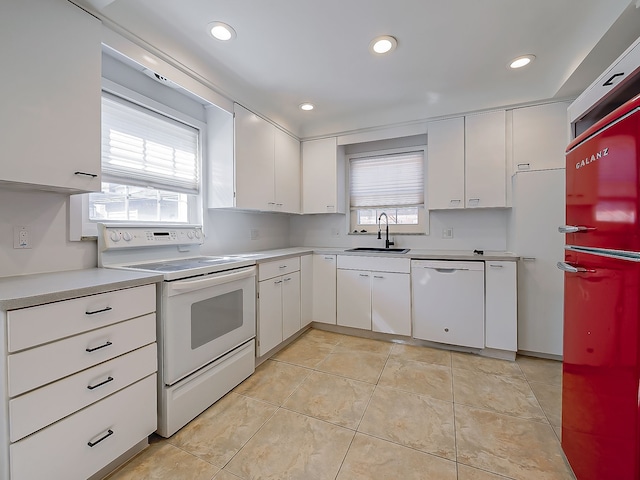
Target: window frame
81	227
421	228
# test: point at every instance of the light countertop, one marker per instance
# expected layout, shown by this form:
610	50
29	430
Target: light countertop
29	290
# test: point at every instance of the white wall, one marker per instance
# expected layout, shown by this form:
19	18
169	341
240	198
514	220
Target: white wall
228	231
472	229
46	216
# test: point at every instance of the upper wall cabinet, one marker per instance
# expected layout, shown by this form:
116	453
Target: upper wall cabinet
50	96
540	136
467	162
267	165
322	179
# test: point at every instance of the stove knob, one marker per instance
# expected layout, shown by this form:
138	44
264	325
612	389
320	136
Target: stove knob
198	234
115	236
190	234
127	237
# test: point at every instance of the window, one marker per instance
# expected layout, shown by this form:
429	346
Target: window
150	169
149	165
390	183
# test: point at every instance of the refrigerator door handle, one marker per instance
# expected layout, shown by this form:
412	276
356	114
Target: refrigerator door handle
574	229
566	267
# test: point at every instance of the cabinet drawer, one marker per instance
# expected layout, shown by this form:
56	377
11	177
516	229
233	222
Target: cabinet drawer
63	450
33	326
44	406
278	267
377	264
36	367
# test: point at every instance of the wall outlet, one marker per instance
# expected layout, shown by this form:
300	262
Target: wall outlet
21	237
255	234
447	233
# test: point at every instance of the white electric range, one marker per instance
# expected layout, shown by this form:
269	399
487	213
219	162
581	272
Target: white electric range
206	314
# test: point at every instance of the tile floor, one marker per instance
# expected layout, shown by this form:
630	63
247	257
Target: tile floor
332	406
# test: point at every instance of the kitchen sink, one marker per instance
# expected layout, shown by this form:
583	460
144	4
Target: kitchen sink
378	250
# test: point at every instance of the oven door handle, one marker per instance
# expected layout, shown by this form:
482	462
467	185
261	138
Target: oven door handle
183	286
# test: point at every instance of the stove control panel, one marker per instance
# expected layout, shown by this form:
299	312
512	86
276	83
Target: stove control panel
126	236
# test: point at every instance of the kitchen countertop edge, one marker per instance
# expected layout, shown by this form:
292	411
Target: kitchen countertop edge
413	254
24	291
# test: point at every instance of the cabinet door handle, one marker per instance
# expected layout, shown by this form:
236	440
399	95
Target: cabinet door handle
454	202
104	437
609	82
98	348
378	276
496	266
574	229
93	387
98	311
282	266
364	275
474	201
566	267
528	259
277	282
86	174
524	166
328	258
287	279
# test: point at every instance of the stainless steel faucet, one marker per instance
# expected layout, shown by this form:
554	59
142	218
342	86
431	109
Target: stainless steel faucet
387	243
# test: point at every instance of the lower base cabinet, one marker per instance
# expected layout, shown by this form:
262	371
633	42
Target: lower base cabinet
90	439
278	303
501	309
378	299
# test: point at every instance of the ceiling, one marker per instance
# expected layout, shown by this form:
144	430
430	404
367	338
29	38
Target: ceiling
451	57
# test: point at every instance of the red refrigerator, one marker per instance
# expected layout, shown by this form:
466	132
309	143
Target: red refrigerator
601	365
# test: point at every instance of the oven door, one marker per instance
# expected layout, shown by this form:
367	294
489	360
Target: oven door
205	317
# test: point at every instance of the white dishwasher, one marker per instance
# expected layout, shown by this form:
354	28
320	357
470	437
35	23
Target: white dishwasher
448	302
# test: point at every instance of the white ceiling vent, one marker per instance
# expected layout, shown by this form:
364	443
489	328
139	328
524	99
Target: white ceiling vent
159	78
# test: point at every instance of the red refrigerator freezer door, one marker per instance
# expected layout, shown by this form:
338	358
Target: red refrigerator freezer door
602	182
600	410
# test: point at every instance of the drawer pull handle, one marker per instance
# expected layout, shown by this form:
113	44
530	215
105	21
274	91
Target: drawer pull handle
328	258
93	387
496	266
86	174
98	348
287	279
363	275
282	266
378	276
104	437
99	311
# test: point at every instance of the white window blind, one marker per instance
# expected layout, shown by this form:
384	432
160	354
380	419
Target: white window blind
143	148
387	181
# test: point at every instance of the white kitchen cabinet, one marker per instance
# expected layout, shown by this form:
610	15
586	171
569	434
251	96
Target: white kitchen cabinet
278	302
467	162
485	175
50	96
324	289
445	160
354	298
287	172
374	293
448	302
538	210
306	290
255	168
322	178
79	383
391	303
540	135
501	306
267	165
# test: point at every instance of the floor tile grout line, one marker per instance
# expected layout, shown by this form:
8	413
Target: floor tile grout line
405	446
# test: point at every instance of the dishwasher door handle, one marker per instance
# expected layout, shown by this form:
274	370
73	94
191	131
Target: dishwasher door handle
449	270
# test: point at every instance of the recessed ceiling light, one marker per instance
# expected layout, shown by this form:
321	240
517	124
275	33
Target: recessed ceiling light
307	106
383	44
221	31
522	61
